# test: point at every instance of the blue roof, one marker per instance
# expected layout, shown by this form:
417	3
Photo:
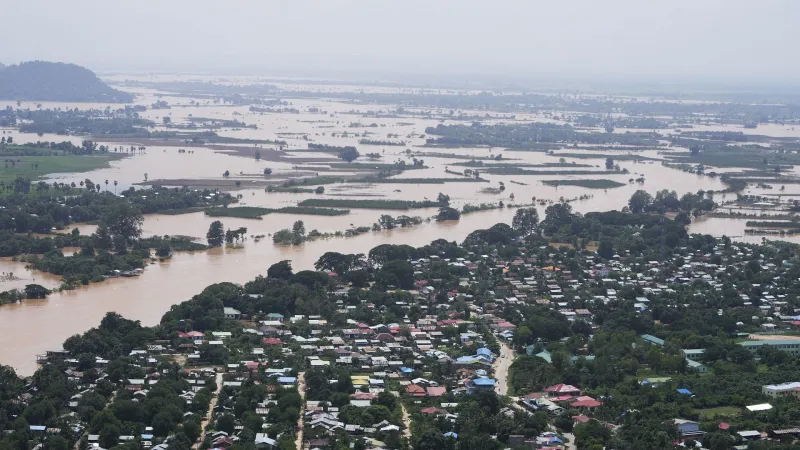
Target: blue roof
484	382
484	351
290	380
451	434
555	439
684	391
38	427
147	437
406	369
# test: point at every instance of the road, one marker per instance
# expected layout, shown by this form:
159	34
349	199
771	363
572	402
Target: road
406	422
210	412
501	365
301	388
571	444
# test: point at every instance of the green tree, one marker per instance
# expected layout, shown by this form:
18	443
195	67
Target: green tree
640	201
281	270
216	234
526	221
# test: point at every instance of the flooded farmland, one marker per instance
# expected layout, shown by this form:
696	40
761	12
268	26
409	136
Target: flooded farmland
34	326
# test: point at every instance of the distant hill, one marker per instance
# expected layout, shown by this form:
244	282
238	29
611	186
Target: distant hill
47	81
2	66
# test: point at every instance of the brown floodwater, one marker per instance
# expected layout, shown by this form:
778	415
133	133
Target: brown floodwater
35	326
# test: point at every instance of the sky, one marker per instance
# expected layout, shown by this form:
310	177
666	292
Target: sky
726	41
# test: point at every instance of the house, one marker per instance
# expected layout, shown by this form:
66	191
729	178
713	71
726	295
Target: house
480	384
231	313
789	346
562	389
696	366
275	317
650	339
782	390
693	354
688	428
264	441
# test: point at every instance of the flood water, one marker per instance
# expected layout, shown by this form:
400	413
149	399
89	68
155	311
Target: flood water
35	326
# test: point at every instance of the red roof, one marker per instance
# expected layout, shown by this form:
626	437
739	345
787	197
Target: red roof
586	404
723	426
433	410
273	341
414	389
436	391
562	388
191	334
363	396
581	418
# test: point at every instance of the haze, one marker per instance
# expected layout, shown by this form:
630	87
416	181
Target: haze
677	41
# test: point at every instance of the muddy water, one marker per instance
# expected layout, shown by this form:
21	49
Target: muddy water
35	326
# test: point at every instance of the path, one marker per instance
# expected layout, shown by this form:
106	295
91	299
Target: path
501	365
111	399
301	388
210	412
571	444
406	422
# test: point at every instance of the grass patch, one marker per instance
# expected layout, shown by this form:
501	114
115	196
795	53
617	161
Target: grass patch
369	204
589	184
520	171
253	212
36	167
290	190
724	411
177	212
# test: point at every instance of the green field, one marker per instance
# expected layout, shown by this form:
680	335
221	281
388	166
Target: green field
253	212
37	167
368	204
724	411
590	184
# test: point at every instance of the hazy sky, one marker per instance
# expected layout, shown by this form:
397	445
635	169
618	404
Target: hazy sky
677	40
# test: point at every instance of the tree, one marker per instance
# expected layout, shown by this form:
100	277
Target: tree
267	171
609	163
258	155
319	190
338	262
640	201
447	213
36	291
299	229
167	120
443	199
124	222
280	270
216	234
397	273
605	249
386	222
526	221
349	154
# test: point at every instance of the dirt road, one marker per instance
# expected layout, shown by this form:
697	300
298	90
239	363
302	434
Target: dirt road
210	412
301	388
501	365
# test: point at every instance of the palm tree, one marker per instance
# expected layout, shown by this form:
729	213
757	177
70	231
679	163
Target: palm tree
115	187
145	176
106	185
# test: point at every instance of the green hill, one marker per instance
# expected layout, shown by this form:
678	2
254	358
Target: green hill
47	81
